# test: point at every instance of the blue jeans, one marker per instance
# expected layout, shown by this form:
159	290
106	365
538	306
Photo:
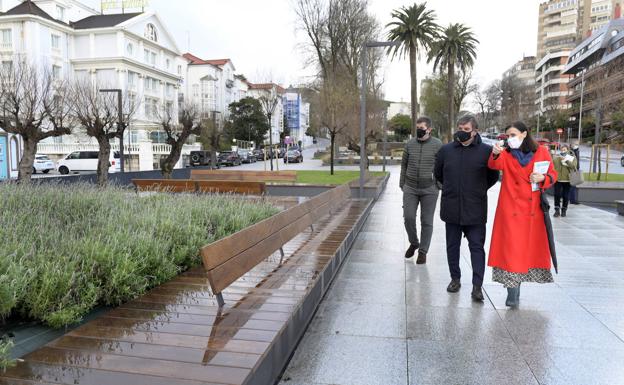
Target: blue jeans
573	195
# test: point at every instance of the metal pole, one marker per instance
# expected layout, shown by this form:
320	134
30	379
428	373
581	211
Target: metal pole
363	120
271	138
581	110
120	127
385	139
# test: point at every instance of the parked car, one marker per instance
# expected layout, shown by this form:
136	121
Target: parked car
622	161
230	158
201	158
247	156
259	154
293	156
86	161
42	164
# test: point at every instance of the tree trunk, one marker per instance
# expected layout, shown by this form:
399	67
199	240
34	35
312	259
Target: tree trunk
168	164
414	87
27	161
103	160
451	100
332	137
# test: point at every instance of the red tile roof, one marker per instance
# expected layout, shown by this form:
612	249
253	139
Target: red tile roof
195	60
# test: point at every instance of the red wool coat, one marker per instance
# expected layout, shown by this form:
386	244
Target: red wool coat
519	240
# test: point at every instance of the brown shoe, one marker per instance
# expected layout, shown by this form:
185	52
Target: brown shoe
422	257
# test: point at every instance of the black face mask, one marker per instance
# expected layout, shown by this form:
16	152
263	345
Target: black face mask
420	133
462	136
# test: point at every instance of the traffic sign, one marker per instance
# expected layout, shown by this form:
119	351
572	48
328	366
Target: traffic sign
559	131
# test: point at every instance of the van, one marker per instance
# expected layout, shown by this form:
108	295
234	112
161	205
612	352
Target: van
86	161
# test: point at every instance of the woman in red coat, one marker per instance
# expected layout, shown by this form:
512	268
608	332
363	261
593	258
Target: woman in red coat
519	250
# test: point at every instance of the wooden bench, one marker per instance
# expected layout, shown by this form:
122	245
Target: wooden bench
620	207
200	186
249	176
228	259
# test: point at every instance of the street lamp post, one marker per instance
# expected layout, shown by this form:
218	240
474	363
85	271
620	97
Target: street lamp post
364	60
119	125
581	108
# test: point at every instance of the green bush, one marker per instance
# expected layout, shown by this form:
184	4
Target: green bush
66	249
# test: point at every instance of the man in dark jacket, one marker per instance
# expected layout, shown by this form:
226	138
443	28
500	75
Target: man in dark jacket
462	169
419	188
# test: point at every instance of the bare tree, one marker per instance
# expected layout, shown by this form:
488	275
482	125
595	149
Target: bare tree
210	137
34	106
178	129
98	114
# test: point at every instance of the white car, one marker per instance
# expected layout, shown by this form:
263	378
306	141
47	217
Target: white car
42	164
86	161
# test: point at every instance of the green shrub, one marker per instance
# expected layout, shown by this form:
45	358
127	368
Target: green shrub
66	249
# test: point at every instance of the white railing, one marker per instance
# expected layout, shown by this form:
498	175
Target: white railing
6	46
132	148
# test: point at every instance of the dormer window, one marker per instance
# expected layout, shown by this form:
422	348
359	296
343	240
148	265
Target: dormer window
60	13
150	32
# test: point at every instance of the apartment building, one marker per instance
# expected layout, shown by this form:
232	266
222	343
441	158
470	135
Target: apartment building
596	68
297	116
518	90
271	91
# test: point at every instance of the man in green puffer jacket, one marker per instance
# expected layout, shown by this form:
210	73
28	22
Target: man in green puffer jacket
419	187
565	162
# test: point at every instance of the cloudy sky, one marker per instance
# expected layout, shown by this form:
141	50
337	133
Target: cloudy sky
261	37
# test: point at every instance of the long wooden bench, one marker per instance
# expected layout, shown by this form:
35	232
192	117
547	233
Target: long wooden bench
230	258
200	186
249	176
178	334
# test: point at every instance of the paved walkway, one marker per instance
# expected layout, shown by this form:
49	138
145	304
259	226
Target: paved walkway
386	321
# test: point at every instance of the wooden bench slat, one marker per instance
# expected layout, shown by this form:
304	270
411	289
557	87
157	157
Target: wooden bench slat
254	176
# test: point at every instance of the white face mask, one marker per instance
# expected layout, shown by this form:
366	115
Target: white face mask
514	142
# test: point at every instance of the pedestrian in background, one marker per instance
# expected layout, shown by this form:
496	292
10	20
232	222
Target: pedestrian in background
462	170
564	162
519	250
573	190
419	188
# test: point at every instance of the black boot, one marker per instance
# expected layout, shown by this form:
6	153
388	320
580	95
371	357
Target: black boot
410	251
557	212
513	296
563	211
454	286
477	293
422	257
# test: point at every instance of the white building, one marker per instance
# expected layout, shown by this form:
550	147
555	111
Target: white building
270	91
212	85
396	108
132	51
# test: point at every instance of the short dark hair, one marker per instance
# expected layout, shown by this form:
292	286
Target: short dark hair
468	118
528	144
424	119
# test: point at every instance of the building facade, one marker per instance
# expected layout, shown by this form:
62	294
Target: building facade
551	84
297	116
596	68
133	52
271	91
518	90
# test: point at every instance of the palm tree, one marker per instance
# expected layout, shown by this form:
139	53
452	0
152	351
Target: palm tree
455	49
414	29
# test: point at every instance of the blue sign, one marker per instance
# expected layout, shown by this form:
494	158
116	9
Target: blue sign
4	158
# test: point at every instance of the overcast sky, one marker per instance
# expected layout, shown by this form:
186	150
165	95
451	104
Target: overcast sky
260	36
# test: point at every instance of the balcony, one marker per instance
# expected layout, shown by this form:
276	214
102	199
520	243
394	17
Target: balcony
6	46
129	148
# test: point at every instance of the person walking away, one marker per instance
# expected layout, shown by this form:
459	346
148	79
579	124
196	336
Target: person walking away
519	250
461	168
573	190
419	188
565	162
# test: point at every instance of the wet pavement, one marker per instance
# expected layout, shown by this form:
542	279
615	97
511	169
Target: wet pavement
388	321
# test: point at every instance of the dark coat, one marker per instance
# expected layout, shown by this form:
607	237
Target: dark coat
465	178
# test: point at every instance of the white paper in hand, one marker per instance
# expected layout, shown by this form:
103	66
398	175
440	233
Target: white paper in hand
540	168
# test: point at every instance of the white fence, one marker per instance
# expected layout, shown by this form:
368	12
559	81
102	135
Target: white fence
131	149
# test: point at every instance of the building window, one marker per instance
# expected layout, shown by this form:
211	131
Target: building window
56	72
150	32
179	70
7	41
56	42
132	80
7	67
168	64
130	49
151	108
60	13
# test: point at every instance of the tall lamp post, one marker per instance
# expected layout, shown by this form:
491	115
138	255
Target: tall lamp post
364	61
120	127
580	133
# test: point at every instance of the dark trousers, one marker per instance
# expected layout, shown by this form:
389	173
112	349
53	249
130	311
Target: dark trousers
476	239
427	198
562	191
